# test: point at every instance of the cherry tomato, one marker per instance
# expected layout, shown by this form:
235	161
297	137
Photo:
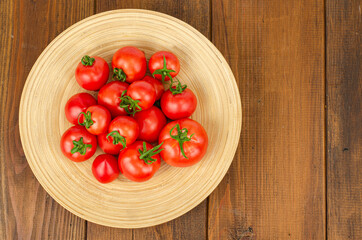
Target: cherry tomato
164	65
109	96
157	84
92	73
138	163
151	122
78	144
185	142
140	95
178	102
129	64
105	168
95	119
124	130
77	104
106	144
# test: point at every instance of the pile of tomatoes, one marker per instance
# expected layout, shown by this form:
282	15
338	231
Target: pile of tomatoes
135	120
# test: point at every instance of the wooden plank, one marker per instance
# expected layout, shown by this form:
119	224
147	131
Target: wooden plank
26	28
344	119
193	224
275	188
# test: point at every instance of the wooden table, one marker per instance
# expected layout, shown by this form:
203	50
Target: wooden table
296	174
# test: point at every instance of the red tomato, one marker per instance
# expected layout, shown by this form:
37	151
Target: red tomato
129	64
184	141
138	163
78	144
109	96
105	168
106	144
92	73
140	95
124	130
95	119
164	65
157	84
77	104
179	105
151	122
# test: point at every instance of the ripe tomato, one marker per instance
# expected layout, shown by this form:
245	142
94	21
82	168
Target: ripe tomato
140	95
95	119
77	104
178	102
78	144
129	64
105	168
106	144
164	65
138	162
185	142
92	73
124	130
109	96
151	122
157	84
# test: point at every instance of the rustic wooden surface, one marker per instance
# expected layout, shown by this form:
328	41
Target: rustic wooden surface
296	174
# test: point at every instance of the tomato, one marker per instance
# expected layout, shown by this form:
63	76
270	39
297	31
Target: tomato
78	144
92	73
95	119
77	104
178	102
129	64
105	168
184	141
151	122
138	163
140	95
124	130
157	84
164	65
106	144
109	96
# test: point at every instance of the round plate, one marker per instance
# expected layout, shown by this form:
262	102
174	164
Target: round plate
172	191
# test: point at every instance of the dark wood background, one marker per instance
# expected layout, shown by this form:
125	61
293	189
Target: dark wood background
297	171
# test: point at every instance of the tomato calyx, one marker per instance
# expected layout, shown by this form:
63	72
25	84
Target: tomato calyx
130	105
80	147
179	88
146	155
119	74
117	138
163	71
181	137
87	122
87	60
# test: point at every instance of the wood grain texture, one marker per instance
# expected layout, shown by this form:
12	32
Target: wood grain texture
275	186
344	119
26	210
191	225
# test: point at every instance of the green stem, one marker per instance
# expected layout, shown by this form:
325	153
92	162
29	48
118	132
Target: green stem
181	137
179	88
119	74
130	105
146	155
87	60
117	138
87	119
80	147
164	71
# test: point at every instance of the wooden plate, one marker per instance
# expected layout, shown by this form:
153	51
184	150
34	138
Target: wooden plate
122	203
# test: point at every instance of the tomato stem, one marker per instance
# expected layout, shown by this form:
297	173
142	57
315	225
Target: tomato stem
87	119
181	137
119	74
163	71
80	147
179	88
117	138
146	155
130	105
87	60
